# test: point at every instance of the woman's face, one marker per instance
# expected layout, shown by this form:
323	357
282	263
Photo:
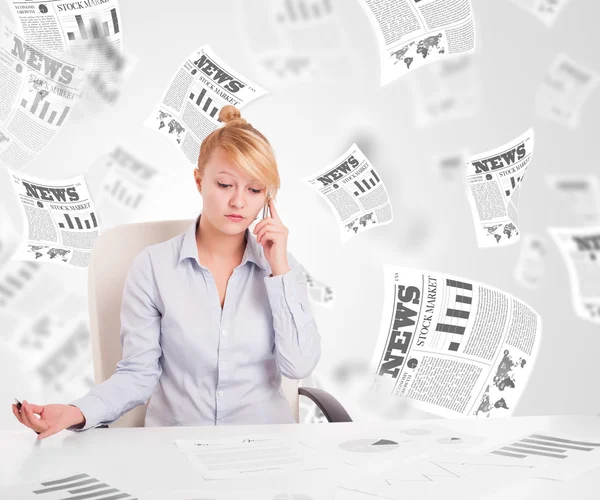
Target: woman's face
226	192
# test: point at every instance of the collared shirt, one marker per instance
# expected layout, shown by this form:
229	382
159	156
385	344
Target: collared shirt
201	364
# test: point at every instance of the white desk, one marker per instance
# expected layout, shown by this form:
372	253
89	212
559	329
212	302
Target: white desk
146	462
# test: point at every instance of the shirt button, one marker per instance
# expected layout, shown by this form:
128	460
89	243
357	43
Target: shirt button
220	393
224	332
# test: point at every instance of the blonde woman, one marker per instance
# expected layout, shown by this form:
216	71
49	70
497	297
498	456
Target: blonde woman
210	319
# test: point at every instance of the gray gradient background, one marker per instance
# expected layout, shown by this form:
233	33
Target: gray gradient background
310	125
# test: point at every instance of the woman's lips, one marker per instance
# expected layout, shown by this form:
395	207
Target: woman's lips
233	218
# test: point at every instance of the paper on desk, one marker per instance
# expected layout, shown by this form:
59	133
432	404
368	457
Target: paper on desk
248	456
450	475
314	492
377	452
68	486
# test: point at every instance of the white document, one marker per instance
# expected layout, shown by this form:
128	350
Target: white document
580	192
353	189
66	486
412	33
545	10
550	455
580	248
455	347
254	455
38	92
531	266
564	91
494	181
60	218
189	109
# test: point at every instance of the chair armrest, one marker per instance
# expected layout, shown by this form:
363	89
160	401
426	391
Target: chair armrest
331	407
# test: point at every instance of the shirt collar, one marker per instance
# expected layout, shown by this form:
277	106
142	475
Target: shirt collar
253	251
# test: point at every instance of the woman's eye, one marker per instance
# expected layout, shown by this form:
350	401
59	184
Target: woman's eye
256	191
223	185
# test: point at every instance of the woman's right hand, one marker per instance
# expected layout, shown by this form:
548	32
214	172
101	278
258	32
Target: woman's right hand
53	418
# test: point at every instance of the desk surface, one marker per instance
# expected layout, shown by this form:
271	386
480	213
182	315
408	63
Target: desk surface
146	461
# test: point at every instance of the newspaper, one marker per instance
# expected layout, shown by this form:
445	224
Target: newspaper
91	32
69	27
453	346
494	180
531	266
61	220
580	248
412	34
581	192
38	91
353	189
564	91
545	10
119	184
448	90
189	109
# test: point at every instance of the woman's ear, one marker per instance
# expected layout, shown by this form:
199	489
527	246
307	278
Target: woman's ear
198	180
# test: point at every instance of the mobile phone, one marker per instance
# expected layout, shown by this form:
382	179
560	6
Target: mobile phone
265	213
18	404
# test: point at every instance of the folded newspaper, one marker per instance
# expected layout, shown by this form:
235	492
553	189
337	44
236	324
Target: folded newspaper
61	222
38	92
353	189
189	109
455	347
494	180
580	248
412	34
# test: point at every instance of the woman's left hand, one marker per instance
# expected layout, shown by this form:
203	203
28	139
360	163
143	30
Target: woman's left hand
272	235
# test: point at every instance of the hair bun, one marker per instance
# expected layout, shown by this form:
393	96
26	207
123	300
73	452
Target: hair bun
231	115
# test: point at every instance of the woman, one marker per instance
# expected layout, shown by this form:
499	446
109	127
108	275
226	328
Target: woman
210	319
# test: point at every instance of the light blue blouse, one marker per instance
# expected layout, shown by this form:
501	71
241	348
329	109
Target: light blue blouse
203	365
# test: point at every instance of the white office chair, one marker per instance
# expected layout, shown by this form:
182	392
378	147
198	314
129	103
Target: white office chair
111	258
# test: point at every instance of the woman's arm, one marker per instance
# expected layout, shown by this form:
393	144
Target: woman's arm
138	372
297	340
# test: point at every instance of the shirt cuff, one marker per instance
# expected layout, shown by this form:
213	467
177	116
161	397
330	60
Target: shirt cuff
281	289
93	409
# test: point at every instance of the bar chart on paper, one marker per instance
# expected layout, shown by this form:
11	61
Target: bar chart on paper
539	445
103	26
79	222
204	102
367	184
77	486
44	112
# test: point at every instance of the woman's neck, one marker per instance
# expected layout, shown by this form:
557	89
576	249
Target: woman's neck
214	244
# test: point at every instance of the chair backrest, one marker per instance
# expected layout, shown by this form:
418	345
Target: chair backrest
112	256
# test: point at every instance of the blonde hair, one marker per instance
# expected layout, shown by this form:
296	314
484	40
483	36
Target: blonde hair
246	147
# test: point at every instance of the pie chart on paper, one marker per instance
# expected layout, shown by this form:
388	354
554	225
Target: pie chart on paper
369	445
